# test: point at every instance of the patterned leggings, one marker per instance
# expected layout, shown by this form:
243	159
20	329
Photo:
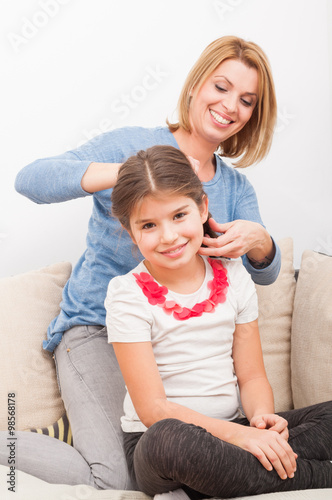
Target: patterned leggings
172	454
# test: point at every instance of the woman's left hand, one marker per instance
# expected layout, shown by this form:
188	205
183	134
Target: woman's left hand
271	422
238	238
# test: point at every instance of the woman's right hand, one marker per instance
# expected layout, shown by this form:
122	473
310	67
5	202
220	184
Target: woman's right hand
270	448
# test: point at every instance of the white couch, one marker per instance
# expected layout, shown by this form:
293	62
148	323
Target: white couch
295	325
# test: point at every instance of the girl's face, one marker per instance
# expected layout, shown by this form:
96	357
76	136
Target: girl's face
168	231
225	102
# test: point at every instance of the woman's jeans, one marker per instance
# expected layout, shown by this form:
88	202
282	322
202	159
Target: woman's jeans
93	391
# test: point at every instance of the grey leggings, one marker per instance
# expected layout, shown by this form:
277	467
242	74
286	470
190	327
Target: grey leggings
172	454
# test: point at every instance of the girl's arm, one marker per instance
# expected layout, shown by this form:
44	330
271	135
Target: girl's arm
255	390
142	378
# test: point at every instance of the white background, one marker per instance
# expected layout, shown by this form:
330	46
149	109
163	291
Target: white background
71	69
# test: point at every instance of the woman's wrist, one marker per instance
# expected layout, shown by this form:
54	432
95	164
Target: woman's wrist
261	256
100	176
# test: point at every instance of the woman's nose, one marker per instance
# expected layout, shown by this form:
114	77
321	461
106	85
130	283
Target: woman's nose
229	102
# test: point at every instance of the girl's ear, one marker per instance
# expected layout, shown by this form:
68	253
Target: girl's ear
204	209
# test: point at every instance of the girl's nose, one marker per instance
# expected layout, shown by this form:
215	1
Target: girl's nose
168	235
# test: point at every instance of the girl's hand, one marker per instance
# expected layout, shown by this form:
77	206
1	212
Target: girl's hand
238	238
271	422
270	448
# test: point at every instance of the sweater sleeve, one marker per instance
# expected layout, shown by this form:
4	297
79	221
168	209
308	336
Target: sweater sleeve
247	209
53	180
58	178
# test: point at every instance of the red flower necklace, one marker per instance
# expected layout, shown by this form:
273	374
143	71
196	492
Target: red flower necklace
156	294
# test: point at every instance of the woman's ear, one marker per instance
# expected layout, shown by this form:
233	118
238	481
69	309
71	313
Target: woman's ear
204	209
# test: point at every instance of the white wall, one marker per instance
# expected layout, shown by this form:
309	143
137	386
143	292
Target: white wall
68	65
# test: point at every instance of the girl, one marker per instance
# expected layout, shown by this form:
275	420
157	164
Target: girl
228	106
184	331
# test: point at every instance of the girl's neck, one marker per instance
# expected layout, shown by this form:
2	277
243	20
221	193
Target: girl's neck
198	149
186	280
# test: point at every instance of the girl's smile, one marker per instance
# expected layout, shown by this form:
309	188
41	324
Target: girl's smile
175	252
168	231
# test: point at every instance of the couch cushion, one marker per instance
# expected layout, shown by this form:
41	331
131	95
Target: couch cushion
311	359
28	303
275	303
32	488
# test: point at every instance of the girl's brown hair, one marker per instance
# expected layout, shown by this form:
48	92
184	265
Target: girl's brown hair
252	143
159	171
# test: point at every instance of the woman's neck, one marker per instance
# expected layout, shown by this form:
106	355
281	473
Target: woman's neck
185	280
194	146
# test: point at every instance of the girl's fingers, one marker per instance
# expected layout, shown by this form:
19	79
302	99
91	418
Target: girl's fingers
276	458
286	457
261	456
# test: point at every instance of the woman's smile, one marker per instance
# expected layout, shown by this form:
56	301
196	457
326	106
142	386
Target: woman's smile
221	119
223	105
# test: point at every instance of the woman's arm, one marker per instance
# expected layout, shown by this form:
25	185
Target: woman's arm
243	234
141	376
100	176
90	168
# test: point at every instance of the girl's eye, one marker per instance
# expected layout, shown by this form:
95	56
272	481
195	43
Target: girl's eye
220	88
148	225
179	215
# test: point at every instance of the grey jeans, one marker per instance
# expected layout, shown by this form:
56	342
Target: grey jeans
93	390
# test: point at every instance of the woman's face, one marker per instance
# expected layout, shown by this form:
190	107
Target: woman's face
225	102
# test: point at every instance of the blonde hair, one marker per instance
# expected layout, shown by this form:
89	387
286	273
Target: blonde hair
253	142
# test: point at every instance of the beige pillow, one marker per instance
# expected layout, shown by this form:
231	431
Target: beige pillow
312	331
275	304
28	302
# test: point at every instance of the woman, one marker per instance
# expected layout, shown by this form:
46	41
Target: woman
227	104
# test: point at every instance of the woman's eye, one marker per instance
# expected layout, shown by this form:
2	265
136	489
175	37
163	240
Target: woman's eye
222	89
179	215
246	103
148	225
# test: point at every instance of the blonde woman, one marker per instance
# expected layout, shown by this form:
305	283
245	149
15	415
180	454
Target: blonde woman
227	109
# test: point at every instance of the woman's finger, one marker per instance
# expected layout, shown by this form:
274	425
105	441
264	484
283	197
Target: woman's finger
229	250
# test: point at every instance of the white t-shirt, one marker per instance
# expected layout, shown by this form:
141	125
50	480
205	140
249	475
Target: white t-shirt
194	356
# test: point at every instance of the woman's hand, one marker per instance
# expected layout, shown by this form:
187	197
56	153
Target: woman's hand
239	237
270	448
271	422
